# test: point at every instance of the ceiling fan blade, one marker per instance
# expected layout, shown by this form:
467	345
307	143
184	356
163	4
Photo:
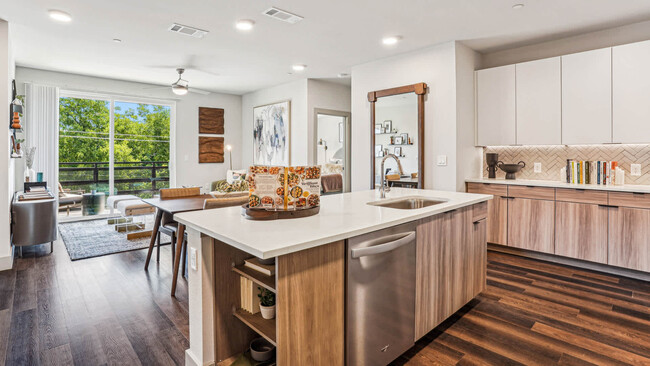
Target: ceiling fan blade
156	87
198	91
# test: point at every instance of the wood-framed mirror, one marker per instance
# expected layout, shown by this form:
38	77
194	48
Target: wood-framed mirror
397	127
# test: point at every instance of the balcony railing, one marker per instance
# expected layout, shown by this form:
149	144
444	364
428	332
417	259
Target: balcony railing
142	178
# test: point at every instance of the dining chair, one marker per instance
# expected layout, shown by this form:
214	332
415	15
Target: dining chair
167	224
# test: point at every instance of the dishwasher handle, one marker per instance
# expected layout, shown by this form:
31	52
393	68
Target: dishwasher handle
400	241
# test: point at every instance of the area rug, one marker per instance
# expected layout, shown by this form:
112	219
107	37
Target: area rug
94	238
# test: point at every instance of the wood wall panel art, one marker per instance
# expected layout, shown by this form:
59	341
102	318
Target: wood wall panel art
210	149
211	120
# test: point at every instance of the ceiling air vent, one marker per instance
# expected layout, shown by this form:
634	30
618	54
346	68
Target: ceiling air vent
283	15
188	31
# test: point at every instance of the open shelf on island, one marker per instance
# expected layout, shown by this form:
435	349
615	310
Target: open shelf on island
261	326
268	282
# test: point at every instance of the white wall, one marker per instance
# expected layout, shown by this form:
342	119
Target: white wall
185	156
7	70
468	156
589	41
306	95
434	66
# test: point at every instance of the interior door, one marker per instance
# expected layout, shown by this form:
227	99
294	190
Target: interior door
332	143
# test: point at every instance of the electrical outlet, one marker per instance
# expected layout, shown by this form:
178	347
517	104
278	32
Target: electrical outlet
635	170
442	160
193	258
538	167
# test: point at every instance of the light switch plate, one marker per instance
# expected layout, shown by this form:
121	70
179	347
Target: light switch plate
538	167
442	160
193	258
635	170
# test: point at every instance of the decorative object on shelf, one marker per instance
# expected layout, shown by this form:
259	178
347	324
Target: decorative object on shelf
511	169
15	108
211	120
379	128
261	350
398	140
398	151
39	176
379	151
405	138
271	138
267	303
492	160
210	149
388	126
249	301
16	148
257	264
30	174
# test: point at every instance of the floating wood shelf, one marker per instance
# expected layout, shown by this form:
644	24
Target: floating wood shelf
261	326
268	282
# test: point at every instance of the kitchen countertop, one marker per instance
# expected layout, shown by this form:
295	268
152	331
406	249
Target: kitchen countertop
341	216
557	184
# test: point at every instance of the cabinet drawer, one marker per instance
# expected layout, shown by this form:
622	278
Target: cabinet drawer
581	196
629	199
479	211
488	188
540	193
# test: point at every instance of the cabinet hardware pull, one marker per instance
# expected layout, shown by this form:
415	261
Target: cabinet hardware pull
478	221
608	206
396	241
580	189
510	198
638	193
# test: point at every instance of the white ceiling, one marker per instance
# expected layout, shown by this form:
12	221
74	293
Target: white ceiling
334	36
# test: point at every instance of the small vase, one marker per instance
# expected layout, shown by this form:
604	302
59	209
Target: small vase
268	312
30	175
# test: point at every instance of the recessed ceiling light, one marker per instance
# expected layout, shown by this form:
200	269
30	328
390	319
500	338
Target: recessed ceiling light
518	6
343	75
117	40
391	40
298	67
245	24
60	16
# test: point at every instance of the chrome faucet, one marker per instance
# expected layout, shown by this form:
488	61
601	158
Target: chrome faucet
384	183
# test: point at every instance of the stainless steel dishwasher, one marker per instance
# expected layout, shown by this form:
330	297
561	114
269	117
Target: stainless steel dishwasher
380	305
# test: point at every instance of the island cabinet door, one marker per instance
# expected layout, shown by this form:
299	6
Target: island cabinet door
581	231
497	218
531	224
451	254
629	238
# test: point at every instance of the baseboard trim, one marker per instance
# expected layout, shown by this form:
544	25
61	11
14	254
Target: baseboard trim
599	267
191	360
7	262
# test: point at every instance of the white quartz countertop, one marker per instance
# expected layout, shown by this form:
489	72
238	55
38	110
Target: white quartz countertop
341	216
557	184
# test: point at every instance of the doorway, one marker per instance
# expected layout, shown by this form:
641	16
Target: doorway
332	149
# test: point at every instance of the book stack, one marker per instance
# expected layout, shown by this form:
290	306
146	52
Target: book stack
265	269
593	172
249	300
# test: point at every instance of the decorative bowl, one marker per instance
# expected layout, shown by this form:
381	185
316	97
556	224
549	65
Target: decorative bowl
511	169
262	350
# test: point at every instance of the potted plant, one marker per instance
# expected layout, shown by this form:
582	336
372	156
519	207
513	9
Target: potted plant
267	303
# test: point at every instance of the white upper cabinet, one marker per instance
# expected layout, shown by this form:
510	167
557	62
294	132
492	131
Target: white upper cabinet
495	105
631	93
539	102
587	97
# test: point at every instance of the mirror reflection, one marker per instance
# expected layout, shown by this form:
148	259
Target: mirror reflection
396	131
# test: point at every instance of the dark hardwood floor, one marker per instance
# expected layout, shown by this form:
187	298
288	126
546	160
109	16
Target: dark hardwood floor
98	311
539	313
108	311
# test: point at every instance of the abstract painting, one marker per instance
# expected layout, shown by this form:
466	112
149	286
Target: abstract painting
271	134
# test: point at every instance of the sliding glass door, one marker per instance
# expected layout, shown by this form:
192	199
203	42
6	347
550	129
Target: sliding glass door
108	146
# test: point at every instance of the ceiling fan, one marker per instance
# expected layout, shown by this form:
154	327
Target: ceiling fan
182	86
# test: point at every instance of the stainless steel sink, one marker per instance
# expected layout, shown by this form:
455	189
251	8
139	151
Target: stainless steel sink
407	203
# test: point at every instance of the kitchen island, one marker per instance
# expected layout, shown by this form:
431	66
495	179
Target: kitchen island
310	280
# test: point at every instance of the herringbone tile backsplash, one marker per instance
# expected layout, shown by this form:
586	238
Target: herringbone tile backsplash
553	158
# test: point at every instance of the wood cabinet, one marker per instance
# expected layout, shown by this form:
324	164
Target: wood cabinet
630	90
587	97
539	102
497	218
531	224
581	231
451	265
629	238
495	104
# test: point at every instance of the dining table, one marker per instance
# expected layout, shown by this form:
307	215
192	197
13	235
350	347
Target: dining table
173	206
